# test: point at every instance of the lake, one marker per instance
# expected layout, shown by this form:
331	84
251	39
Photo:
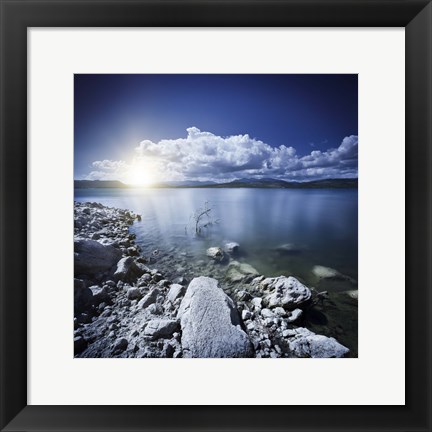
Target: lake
280	232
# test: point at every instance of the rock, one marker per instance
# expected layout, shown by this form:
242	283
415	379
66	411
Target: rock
210	323
304	343
100	294
237	271
288	249
144	280
127	270
162	328
295	315
267	313
257	302
83	296
150	298
120	344
243	295
155	309
257	280
287	292
176	291
325	272
231	247
157	277
91	257
215	253
352	294
279	311
246	315
133	294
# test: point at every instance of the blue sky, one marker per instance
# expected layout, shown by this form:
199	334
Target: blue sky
147	128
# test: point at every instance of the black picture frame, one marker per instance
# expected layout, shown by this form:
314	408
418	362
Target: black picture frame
17	16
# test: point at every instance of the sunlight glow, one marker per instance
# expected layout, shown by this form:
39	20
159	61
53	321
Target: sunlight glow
140	176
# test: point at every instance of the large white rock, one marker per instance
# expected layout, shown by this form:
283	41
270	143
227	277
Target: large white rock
304	343
286	292
210	322
91	257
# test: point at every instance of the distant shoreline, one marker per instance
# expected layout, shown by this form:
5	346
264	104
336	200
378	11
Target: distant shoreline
236	184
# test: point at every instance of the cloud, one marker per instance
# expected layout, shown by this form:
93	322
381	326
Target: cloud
109	170
206	156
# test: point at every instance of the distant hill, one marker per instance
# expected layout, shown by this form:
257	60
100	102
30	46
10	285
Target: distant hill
86	184
263	183
282	184
185	183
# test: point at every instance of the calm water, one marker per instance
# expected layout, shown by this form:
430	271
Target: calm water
320	226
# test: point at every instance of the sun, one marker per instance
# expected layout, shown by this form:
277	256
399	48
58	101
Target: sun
140	177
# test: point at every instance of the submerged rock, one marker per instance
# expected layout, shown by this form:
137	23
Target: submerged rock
210	323
288	249
325	272
231	247
215	253
352	294
237	271
304	343
286	292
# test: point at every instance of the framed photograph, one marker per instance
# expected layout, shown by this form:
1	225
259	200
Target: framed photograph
215	215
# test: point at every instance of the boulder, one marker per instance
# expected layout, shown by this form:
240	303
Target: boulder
210	323
175	292
163	328
304	343
91	257
127	270
286	292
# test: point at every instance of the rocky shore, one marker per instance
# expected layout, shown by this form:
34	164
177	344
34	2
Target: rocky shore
125	307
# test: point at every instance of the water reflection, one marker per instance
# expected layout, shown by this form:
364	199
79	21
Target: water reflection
320	224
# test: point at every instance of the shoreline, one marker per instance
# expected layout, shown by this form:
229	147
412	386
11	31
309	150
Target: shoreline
124	308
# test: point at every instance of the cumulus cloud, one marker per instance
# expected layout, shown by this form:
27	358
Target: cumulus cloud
206	156
108	170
